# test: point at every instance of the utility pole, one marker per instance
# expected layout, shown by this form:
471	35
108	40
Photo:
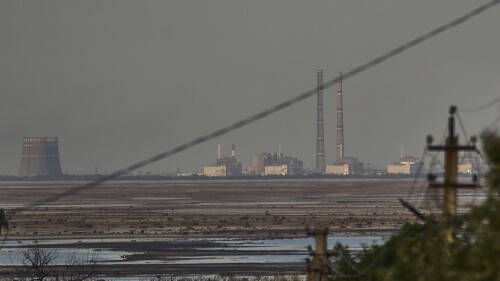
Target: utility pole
450	184
318	269
3	220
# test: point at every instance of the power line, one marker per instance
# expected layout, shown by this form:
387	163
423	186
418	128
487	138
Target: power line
494	123
278	107
482	107
462	126
394	52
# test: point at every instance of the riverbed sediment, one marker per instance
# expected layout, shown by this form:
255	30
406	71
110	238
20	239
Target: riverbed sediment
257	209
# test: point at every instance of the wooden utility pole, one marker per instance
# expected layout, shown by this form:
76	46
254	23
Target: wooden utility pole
318	268
450	184
3	220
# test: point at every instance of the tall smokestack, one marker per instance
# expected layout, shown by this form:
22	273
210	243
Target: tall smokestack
340	120
320	135
233	152
218	151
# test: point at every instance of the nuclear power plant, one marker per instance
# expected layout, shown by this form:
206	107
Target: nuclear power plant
40	156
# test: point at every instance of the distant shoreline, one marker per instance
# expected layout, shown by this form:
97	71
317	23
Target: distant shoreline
203	178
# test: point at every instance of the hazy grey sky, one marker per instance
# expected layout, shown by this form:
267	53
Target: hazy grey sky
119	81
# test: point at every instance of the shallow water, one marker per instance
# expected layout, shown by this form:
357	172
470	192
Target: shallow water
221	250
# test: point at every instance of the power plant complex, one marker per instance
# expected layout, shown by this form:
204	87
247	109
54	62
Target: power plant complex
277	164
262	164
40	157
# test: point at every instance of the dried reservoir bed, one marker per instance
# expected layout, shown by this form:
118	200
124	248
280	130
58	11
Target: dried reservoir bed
256	209
260	209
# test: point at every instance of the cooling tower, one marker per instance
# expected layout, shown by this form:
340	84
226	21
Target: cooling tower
40	157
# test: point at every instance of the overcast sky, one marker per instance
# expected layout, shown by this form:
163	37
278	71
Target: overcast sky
120	81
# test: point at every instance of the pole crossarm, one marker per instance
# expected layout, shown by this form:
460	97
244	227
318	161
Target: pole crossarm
459	185
451	148
450	184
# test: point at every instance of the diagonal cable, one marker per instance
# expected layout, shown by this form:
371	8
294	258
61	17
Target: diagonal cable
278	107
394	52
482	107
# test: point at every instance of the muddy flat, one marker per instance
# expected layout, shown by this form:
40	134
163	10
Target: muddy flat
205	208
266	209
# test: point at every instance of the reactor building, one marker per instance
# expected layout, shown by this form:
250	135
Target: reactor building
470	163
276	164
224	166
40	157
407	165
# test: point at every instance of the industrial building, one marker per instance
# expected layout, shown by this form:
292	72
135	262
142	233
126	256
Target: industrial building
286	166
224	166
275	164
407	165
294	166
346	166
400	168
339	169
465	168
40	157
276	170
470	163
261	160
